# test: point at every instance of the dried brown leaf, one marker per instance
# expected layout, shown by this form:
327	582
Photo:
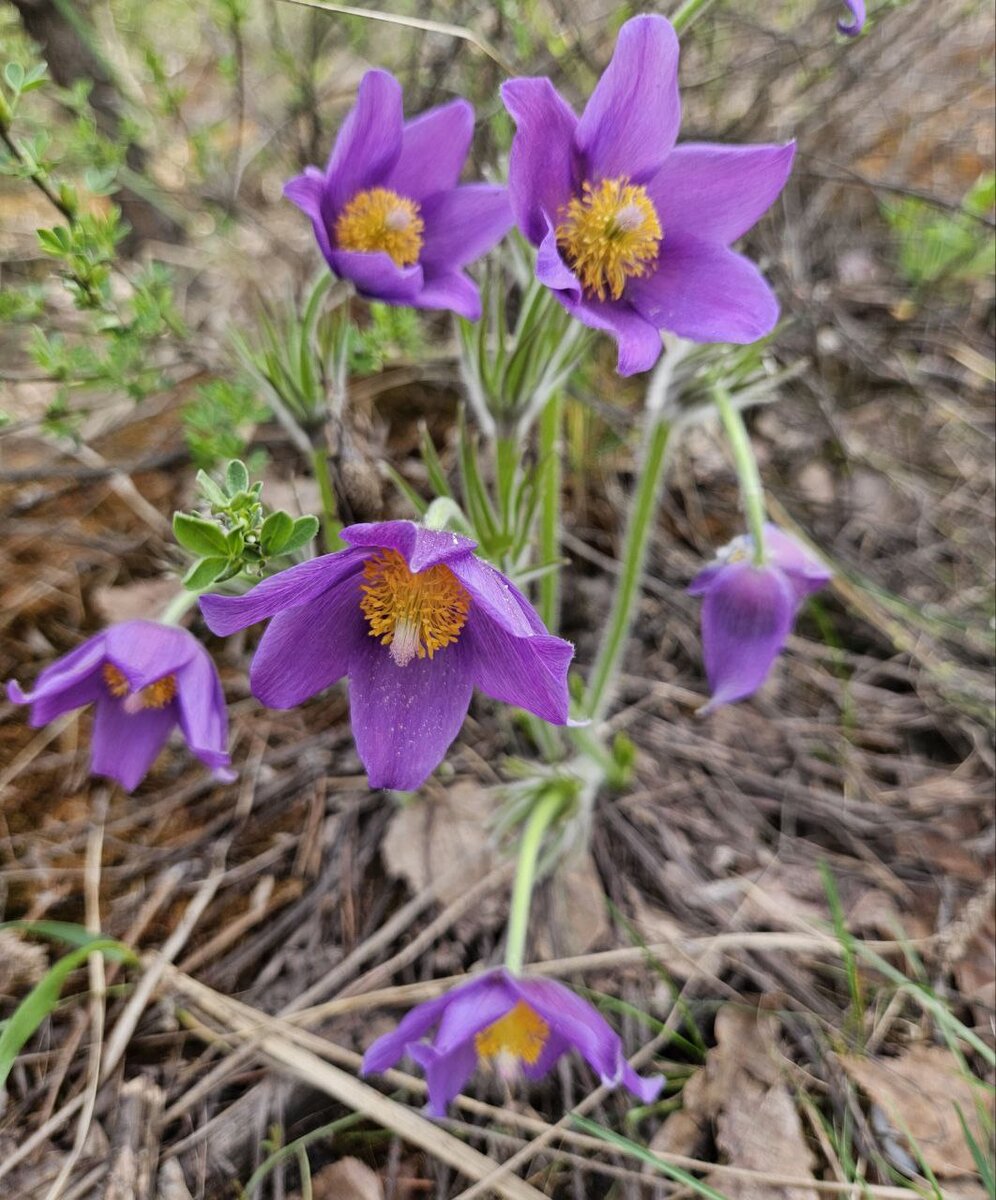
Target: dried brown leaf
348	1179
920	1092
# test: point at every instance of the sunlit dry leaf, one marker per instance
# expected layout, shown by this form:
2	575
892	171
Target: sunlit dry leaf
348	1179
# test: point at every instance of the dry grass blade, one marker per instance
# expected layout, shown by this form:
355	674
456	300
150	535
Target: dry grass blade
360	1097
443	27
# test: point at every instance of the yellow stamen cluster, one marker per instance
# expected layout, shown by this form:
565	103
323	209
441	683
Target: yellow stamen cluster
380	219
520	1034
156	695
413	614
609	234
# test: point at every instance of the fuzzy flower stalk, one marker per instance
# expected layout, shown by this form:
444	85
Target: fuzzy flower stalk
519	1025
388	212
143	680
415	621
748	609
634	232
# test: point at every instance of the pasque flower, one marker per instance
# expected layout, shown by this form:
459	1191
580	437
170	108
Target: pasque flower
853	27
387	210
416	621
518	1024
143	679
634	232
748	610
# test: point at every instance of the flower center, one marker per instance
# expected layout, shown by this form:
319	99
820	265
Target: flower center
414	614
380	219
519	1035
609	234
156	695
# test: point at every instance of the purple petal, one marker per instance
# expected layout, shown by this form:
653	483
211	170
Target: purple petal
124	745
391	1047
805	572
463	224
306	649
297	585
577	1023
308	192
145	651
703	581
716	193
705	292
541	169
747	615
68	683
434	146
377	276
644	1088
630	123
497	595
638	339
201	709
473	1008
404	718
418	546
530	672
454	292
369	142
553	272
554	1048
853	27
445	1074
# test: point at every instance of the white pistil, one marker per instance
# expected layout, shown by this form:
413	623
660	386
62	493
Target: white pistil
133	703
405	642
629	218
397	220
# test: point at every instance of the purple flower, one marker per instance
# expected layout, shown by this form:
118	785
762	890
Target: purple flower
387	211
748	611
142	678
520	1024
633	232
416	621
853	27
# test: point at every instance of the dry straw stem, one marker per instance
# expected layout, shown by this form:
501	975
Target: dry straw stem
443	27
239	1021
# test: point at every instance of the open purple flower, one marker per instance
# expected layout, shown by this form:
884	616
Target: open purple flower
633	232
748	611
416	621
143	679
519	1024
387	211
853	27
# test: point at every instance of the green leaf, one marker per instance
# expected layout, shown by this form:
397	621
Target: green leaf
276	532
635	1150
210	490
236	477
202	574
35	77
198	535
44	996
14	74
303	532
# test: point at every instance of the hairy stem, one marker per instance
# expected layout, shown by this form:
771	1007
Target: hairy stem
525	878
751	488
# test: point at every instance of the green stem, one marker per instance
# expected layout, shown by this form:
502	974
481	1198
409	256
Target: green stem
690	11
330	514
751	488
178	607
525	878
550	484
638	529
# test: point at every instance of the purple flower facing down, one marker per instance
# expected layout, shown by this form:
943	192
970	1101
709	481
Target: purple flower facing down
387	210
748	611
518	1024
416	621
143	679
634	232
853	27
